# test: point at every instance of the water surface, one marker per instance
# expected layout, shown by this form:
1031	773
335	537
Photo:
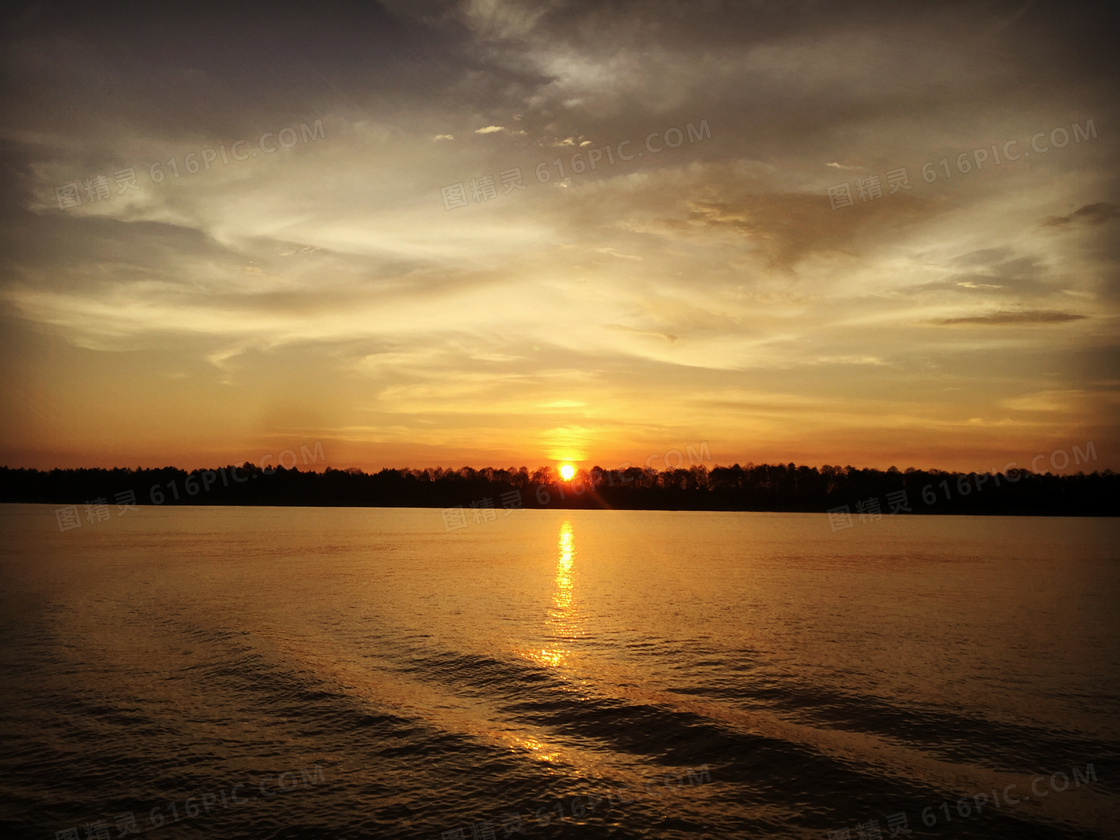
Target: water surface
351	673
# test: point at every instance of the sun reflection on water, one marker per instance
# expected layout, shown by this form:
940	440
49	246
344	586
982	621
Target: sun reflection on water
537	749
563	597
562	624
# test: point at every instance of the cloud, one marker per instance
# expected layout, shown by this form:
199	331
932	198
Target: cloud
664	276
968	284
787	228
1068	401
849	360
1090	214
669	337
1038	316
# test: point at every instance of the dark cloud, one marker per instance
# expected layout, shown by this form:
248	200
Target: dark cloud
1090	214
788	227
1040	316
1002	271
672	267
212	69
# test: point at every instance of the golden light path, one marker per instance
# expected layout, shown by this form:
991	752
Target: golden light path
561	621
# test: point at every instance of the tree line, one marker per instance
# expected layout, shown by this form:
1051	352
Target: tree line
765	487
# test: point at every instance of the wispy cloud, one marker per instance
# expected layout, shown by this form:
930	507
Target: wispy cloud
629	299
1090	214
1011	318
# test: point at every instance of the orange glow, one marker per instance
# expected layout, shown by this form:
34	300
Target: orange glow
668	311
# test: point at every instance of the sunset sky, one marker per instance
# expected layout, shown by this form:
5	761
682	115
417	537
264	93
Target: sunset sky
325	279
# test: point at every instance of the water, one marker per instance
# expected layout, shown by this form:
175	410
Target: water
353	673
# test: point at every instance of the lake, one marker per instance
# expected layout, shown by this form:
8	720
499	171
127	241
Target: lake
235	672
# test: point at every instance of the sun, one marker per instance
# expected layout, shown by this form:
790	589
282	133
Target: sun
567	471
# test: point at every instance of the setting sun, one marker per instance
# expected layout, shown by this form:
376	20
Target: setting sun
567	471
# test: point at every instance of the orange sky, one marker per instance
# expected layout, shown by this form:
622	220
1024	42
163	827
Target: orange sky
326	281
